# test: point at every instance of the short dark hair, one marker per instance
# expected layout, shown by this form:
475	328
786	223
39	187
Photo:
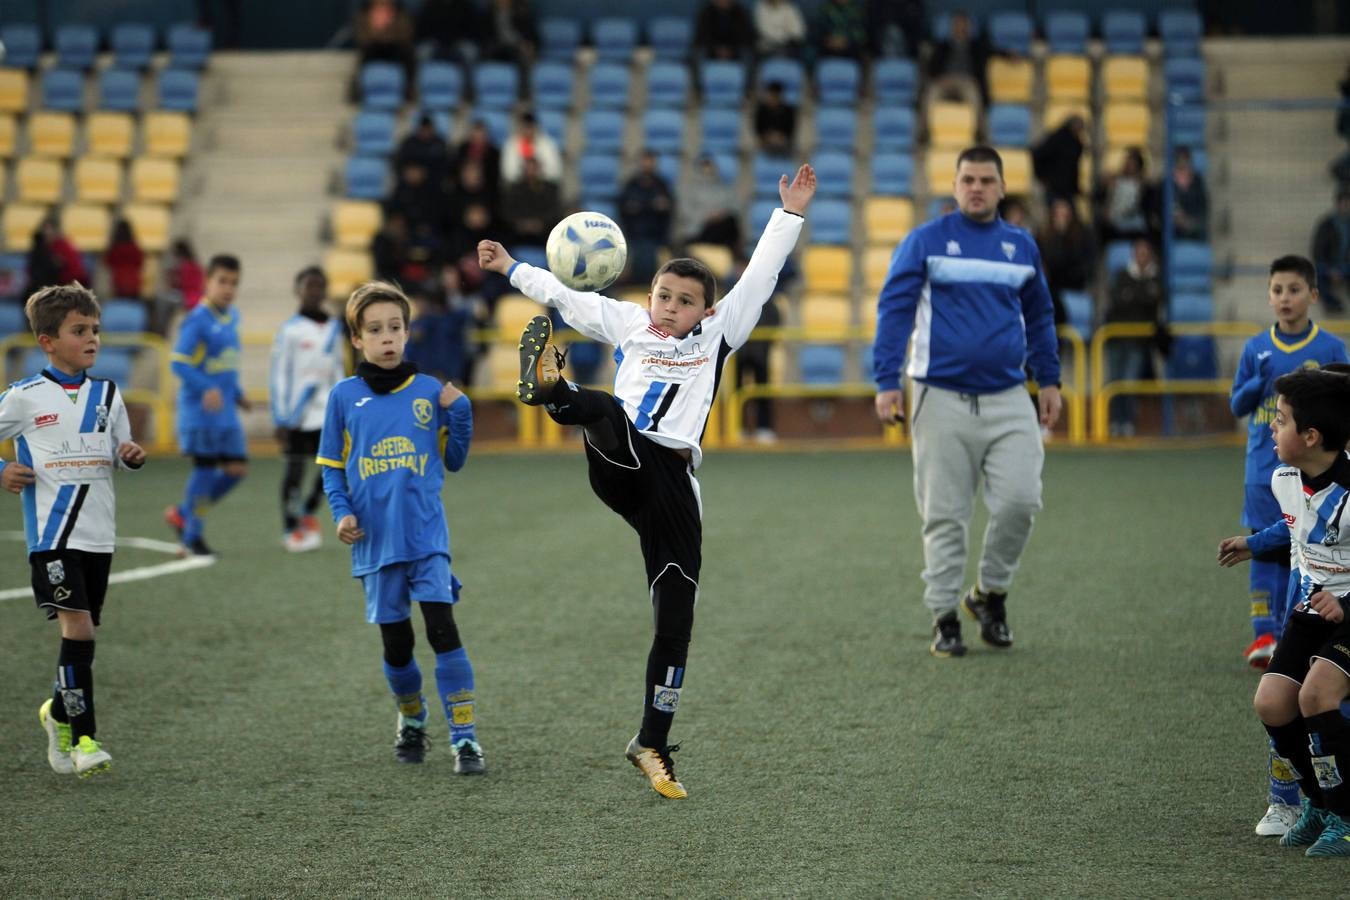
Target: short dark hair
308	271
1299	265
48	308
981	153
1319	399
223	261
685	267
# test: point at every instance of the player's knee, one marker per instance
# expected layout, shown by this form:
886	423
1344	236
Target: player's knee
1319	696
673	596
442	632
235	469
1015	506
1273	704
398	642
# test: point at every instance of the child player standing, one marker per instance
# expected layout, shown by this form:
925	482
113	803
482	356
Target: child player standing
642	443
386	435
71	431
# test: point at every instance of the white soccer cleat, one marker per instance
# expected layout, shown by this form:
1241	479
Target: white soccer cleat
302	540
1277	821
89	757
58	741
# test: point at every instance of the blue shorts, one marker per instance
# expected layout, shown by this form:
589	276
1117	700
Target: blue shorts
390	590
1259	507
219	442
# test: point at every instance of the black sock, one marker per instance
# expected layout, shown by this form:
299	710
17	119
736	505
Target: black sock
59	705
1329	747
290	490
1291	744
673	600
315	494
75	681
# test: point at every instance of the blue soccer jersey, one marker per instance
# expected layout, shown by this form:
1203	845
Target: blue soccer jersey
383	455
207	356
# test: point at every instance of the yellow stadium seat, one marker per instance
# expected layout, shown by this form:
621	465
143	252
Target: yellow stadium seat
150	223
503	365
13	90
20	221
1016	169
51	134
714	256
514	312
346	269
1125	78
167	134
355	222
828	269
1010	80
109	134
951	124
825	316
39	180
941	170
1056	113
1068	77
98	180
87	225
154	179
888	219
1125	124
9	137
876	264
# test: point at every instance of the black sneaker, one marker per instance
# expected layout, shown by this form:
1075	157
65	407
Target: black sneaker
410	744
195	548
540	362
947	636
990	610
469	758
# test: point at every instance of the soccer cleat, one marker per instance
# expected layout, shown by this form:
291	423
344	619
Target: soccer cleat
410	743
988	608
947	636
311	523
1277	821
656	765
58	740
195	548
1307	829
469	758
89	757
1260	651
1334	839
540	362
174	519
301	541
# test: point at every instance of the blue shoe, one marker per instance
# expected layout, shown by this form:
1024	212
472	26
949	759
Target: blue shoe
1307	829
1334	840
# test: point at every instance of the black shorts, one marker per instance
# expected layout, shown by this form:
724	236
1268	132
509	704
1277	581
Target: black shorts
70	579
302	443
1308	637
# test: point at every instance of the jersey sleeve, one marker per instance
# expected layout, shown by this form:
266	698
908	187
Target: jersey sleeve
594	315
281	374
12	416
895	311
456	433
335	445
1038	314
119	424
1272	537
1249	384
739	310
188	354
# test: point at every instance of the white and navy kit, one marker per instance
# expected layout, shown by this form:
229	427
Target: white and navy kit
307	361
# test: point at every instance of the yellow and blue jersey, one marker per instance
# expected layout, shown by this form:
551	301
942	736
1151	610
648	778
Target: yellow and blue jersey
207	356
384	459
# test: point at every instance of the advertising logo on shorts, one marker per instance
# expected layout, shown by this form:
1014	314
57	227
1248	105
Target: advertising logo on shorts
56	572
422	412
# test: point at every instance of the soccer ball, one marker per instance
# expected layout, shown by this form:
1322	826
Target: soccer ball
587	251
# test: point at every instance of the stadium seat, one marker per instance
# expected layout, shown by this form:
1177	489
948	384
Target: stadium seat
119	90
604	130
12	319
1066	31
895	81
942	25
663	130
439	85
551	86
23	46
892	173
1010	125
821	363
598	174
346	269
951	124
76	46
831	222
1078	311
765	170
365	177
9	139
373	133
1191	266
513	312
124	316
20	221
1185	79
1057	112
1187	125
667	84
51	134
1191	306
888	219
716	257
836	127
1124	78
1117	256
670	37
532	254
827	315
13	91
615	38
787	72
39	180
116	363
1181	31
354	223
178	90
940	170
150	223
1193	356
893	128
154	180
498	122
721	130
1125	124
722	83
1010	80
1068	78
838	81
553	122
1016	169
88	226
834	173
760	213
98	180
1123	31
876	265
189	46
132	45
728	167
559	39
63	89
602	205
167	134
109	134
382	86
1011	32
608	84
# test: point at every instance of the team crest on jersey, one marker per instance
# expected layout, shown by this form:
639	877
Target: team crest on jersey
422	412
953	248
56	572
101	417
1333	535
1009	249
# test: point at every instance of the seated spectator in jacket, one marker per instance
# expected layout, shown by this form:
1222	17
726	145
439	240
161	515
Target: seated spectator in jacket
426	148
509	32
478	148
531	206
956	68
124	259
896	27
529	141
1190	202
645	207
1057	158
70	264
43	266
449	29
775	121
1068	253
780	28
185	274
723	30
705	208
438	335
384	33
1124	208
421	201
1135	295
841	29
1331	254
389	247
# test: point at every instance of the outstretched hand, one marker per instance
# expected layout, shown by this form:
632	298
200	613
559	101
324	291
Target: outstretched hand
492	257
1233	550
797	195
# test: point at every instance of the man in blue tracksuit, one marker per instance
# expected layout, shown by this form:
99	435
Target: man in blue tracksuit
969	288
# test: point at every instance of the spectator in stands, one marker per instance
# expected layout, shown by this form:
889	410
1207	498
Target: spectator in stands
775	121
449	29
389	247
531	206
1124	201
426	148
1331	254
419	200
185	275
841	29
70	263
1068	253
530	141
723	30
956	68
1190	201
438	335
43	265
511	34
384	33
124	259
645	206
896	27
780	28
1135	295
473	188
1057	158
479	148
705	209
449	294
477	222
1014	211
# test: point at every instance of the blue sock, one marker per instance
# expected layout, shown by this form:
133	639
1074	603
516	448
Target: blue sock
406	684
222	484
196	497
1283	785
454	679
1270	586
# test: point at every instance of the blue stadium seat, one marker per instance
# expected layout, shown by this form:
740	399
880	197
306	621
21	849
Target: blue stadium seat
441	121
670	37
603	205
63	89
178	90
124	315
498	122
439	85
1193	356
865	362
834	173
721	130
365	176
132	45
1181	31
599	176
1117	256
1078	310
893	173
760	212
836	127
896	81
554	124
13	277
668	167
765	170
1067	30
1123	31
551	85
76	46
728	167
936	206
615	38
838	81
893	128
1191	306
722	83
119	90
603	129
663	130
496	85
1009	125
559	39
942	25
12	320
23	46
115	363
373	133
1200	160
189	46
531	254
788	72
831	222
382	86
1011	32
1191	266
821	363
609	86
1187	125
1185	79
667	84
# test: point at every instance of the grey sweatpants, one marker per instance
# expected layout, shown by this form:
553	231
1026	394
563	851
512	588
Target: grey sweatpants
957	439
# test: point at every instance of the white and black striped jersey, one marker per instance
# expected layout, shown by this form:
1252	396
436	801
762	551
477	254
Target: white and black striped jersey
69	437
307	360
667	384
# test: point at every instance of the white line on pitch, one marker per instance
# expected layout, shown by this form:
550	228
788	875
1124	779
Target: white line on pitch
138	574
